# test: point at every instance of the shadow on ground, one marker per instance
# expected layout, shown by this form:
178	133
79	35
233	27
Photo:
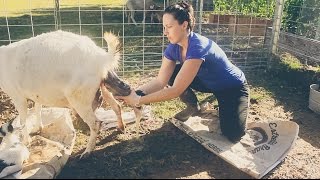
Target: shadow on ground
293	95
163	153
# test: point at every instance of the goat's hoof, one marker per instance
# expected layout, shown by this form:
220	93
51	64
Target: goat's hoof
35	133
139	139
122	129
84	155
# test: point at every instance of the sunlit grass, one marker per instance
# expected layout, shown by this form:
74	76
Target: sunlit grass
291	61
13	8
260	93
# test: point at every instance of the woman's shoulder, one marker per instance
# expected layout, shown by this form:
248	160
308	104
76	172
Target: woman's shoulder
172	48
171	51
198	37
199	40
170	45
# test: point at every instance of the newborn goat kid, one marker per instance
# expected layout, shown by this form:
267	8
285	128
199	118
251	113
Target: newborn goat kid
12	152
61	69
118	88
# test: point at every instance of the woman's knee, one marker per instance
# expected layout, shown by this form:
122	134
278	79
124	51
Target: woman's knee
233	130
233	119
234	135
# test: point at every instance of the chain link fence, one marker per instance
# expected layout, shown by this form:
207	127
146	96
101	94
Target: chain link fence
300	30
247	30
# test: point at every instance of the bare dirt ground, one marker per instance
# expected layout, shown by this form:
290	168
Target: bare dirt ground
163	151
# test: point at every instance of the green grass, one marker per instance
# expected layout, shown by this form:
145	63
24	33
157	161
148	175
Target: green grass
291	61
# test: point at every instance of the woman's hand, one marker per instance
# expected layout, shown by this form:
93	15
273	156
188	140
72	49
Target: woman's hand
132	100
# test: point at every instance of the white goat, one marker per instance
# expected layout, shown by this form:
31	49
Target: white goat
62	69
13	153
140	5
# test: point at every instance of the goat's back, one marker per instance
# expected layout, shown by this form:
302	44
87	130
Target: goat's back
52	63
139	4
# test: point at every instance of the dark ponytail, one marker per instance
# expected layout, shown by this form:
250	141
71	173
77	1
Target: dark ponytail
182	11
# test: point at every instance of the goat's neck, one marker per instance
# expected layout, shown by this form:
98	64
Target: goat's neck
2	63
2	53
2	49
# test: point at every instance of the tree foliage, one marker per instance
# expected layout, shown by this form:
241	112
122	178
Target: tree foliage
258	8
302	17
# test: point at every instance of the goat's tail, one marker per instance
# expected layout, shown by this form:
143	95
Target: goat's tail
113	46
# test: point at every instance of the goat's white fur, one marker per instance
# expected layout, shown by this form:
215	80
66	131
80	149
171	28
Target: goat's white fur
59	69
12	151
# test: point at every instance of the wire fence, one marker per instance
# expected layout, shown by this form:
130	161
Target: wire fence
243	31
300	30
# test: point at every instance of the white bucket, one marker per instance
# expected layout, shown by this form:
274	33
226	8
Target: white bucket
314	98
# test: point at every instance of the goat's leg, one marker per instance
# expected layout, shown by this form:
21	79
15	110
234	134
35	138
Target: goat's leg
144	17
108	97
129	16
85	111
138	114
151	17
97	100
132	17
37	108
22	107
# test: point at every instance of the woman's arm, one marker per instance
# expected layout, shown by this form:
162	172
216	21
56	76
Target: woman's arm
183	79
165	72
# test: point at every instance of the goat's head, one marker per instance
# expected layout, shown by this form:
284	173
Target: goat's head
6	129
155	7
156	12
116	86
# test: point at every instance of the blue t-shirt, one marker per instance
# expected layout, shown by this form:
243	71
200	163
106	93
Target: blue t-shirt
216	72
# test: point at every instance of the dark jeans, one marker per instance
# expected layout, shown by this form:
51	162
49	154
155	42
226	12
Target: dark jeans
233	106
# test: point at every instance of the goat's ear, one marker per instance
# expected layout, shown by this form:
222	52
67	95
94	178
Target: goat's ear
10	128
10	121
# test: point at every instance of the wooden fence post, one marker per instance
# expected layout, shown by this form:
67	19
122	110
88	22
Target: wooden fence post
276	25
57	16
318	30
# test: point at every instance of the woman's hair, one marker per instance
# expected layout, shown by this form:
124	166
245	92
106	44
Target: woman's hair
182	11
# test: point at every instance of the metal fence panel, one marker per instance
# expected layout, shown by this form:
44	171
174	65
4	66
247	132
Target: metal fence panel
300	30
241	31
